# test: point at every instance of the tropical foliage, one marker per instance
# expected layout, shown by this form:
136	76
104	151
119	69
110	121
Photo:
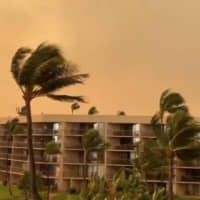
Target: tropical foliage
177	139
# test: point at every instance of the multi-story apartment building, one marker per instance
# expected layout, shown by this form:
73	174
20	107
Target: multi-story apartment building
123	133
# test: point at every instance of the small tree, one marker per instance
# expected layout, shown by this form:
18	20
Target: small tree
51	149
25	184
74	106
121	113
93	110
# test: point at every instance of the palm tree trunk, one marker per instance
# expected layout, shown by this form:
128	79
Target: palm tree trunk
35	193
170	176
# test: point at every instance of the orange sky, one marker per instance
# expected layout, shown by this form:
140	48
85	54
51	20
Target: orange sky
133	50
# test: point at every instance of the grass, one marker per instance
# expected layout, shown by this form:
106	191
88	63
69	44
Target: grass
17	194
4	193
75	197
66	197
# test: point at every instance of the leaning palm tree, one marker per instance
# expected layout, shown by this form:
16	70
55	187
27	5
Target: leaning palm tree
74	106
92	142
170	102
38	73
51	149
10	129
93	110
177	139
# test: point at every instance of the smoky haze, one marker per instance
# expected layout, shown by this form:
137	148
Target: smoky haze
132	49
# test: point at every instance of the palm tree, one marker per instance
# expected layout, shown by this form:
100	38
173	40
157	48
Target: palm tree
92	142
93	110
51	149
121	113
152	157
10	129
38	73
177	139
170	102
22	111
74	106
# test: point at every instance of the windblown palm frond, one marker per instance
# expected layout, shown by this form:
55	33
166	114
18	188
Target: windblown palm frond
171	102
18	60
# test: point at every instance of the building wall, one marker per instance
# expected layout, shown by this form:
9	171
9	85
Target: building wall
121	132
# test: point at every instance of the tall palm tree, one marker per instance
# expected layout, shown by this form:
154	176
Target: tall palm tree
74	106
93	110
38	73
177	139
10	129
51	149
170	102
92	142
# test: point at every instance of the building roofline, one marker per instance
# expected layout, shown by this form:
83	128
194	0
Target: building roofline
48	118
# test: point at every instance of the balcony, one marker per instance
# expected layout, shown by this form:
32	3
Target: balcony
191	178
124	147
48	173
121	133
195	163
43	131
4	167
5	155
17	170
5	144
25	144
39	158
19	157
120	162
75	131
